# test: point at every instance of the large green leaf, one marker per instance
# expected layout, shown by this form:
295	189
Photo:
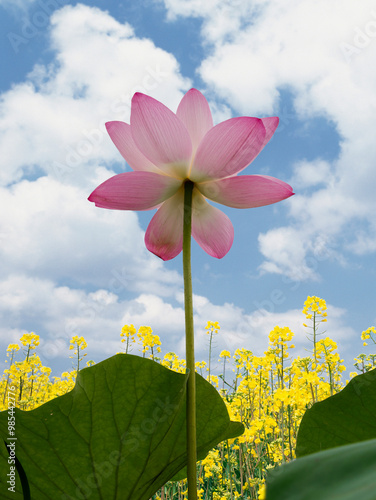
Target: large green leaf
119	434
346	417
343	473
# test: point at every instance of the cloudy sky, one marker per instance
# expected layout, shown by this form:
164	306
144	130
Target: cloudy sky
69	268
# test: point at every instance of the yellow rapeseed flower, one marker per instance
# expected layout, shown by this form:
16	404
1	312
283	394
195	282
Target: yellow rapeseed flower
212	327
13	347
77	342
128	331
314	305
370	333
149	341
225	354
30	339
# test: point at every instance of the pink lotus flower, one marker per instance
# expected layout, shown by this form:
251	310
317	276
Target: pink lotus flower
165	149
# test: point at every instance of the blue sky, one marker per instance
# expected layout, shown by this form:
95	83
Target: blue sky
69	268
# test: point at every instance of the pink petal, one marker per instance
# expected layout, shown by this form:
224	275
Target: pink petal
228	148
246	191
195	113
164	235
121	136
211	228
134	191
270	124
160	135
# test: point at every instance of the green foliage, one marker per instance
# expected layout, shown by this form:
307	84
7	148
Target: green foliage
120	433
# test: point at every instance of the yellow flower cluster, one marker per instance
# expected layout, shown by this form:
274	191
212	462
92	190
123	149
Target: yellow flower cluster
13	347
212	327
225	354
31	379
128	333
200	365
148	340
314	305
29	340
279	336
77	343
369	334
173	362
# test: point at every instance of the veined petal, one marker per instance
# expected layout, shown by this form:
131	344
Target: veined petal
270	124
246	191
211	228
228	148
160	135
134	191
121	136
195	113
164	235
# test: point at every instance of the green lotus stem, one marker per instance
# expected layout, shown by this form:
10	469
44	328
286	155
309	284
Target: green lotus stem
189	344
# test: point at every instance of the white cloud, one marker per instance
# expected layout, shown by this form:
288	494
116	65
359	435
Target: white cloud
365	242
52	231
56	313
222	18
285	249
307	174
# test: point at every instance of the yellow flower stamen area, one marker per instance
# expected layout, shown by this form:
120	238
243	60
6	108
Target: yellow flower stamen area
30	339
